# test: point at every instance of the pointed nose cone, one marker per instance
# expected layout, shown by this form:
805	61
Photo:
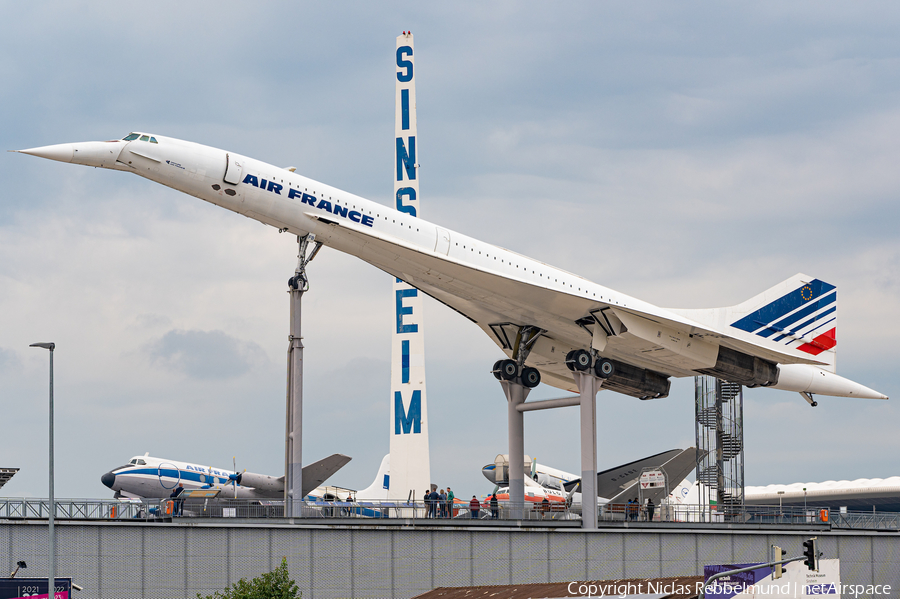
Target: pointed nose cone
60	152
875	394
108	479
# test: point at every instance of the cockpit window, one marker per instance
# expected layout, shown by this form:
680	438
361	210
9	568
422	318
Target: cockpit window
134	461
153	140
131	137
145	138
141	463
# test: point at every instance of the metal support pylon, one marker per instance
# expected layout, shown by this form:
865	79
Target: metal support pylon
293	441
588	387
516	393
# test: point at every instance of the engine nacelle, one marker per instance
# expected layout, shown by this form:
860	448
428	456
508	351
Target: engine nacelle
738	367
637	382
261	482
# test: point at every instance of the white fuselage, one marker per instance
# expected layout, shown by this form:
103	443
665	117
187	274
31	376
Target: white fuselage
452	267
147	477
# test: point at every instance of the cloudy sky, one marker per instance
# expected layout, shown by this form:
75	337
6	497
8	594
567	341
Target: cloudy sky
689	154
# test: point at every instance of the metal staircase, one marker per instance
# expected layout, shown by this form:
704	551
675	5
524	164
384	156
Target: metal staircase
719	416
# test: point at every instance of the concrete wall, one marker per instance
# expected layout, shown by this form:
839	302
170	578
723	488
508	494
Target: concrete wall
125	560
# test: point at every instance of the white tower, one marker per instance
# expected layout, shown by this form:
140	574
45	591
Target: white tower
410	466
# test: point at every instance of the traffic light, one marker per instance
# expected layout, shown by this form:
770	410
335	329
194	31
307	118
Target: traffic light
811	554
777	556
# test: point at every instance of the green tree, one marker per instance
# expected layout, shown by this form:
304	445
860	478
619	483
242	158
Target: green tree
276	584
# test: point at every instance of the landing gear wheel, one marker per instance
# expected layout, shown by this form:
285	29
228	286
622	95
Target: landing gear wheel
292	283
604	369
531	378
496	369
581	360
569	363
509	370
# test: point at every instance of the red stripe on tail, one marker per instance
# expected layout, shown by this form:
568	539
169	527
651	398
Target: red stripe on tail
823	342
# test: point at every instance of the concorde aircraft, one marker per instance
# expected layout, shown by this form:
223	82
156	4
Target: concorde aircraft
547	321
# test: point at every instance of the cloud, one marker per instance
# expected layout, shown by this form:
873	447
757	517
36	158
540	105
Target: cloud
9	360
205	354
689	155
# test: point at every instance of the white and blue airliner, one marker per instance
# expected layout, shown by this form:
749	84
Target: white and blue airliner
547	321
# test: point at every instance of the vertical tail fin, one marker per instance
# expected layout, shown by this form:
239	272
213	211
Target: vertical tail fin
799	313
378	490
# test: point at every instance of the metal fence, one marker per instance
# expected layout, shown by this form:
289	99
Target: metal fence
458	513
390	559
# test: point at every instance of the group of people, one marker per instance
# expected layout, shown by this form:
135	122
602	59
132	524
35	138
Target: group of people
439	504
633	509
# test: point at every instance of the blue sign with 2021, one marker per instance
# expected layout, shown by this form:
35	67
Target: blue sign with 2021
14	588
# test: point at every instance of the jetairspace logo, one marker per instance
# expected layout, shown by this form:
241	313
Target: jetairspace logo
305	198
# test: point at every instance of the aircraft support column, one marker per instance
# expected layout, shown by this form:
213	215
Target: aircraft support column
588	385
293	442
516	393
293	483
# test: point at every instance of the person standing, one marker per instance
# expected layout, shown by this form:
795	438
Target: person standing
426	500
442	503
450	498
435	499
650	509
475	507
177	499
495	509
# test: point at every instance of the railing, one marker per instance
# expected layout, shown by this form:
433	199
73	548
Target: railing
866	520
75	509
458	513
693	513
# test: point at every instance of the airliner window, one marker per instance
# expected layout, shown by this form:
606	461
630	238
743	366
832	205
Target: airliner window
131	137
145	138
153	140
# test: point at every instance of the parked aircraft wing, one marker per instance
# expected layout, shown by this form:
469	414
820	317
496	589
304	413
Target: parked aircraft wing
676	468
638	333
318	472
611	482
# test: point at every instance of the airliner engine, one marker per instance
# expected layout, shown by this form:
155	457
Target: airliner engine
261	482
637	382
738	367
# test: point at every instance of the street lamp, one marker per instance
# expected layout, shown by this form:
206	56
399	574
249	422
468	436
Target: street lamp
19	565
51	583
